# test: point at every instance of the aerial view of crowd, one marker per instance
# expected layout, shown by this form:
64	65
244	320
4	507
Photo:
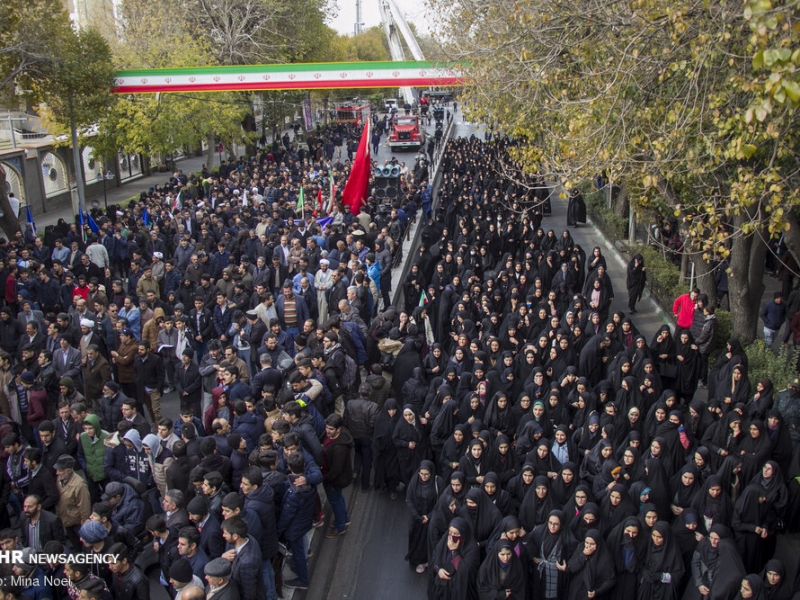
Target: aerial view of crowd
544	448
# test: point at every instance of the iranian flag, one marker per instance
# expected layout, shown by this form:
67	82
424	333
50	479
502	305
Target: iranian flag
423	298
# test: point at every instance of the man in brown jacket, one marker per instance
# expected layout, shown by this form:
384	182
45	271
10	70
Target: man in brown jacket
124	357
95	374
74	505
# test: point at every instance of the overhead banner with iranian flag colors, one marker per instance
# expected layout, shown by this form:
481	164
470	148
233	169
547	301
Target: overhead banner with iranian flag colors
304	76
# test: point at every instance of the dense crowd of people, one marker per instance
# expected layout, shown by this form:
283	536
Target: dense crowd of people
545	449
224	290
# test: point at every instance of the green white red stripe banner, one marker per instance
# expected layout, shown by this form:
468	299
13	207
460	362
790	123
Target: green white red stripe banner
289	77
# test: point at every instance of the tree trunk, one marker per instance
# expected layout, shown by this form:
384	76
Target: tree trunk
211	149
249	125
704	278
620	201
8	222
746	283
792	237
76	163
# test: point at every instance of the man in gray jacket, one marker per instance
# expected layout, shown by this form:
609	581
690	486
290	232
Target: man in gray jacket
359	418
705	340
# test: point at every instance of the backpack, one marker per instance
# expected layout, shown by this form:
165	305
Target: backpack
350	374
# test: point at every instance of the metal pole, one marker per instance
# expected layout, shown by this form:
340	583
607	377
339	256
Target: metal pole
691	277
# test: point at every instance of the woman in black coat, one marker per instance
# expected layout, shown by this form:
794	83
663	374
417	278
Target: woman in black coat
502	574
688	361
663	568
635	281
717	567
751	526
384	452
472	464
455	563
410	441
421	498
590	569
406	361
628	547
550	544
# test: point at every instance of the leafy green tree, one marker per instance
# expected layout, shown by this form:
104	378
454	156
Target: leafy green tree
75	88
28	31
675	100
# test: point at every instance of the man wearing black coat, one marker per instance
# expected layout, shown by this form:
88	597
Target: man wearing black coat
150	381
246	557
41	480
189	383
52	446
202	325
165	543
39	526
128	583
211	540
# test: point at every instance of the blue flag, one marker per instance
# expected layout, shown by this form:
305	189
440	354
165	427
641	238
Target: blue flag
30	218
83	231
92	223
146	217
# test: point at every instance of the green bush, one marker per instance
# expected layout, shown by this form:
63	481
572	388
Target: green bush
615	227
779	368
663	277
724	330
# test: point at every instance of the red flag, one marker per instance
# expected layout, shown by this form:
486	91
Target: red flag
356	189
319	198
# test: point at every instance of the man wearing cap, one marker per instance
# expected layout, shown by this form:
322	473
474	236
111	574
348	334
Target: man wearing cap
157	267
182	577
218	575
773	314
128	507
211	540
147	282
74	505
32	575
96	540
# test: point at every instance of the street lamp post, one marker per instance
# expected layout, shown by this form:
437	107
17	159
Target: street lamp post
108	177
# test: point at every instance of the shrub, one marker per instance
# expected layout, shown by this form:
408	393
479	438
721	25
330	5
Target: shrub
779	368
615	227
724	330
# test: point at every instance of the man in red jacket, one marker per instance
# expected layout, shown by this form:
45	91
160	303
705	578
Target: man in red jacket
683	308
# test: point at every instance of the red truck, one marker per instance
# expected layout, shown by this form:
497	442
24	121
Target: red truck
407	133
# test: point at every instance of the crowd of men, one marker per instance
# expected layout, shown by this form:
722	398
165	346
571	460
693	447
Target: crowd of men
221	289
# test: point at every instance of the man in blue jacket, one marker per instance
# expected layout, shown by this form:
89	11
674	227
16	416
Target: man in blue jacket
259	500
245	554
296	518
773	315
247	424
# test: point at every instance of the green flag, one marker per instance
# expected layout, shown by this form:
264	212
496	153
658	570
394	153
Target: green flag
301	201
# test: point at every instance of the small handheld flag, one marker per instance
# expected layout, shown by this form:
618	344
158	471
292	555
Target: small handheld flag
423	298
30	218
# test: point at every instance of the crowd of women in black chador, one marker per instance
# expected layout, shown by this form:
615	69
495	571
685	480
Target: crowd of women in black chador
546	448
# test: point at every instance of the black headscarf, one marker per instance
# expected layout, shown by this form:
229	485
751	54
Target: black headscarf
496	578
